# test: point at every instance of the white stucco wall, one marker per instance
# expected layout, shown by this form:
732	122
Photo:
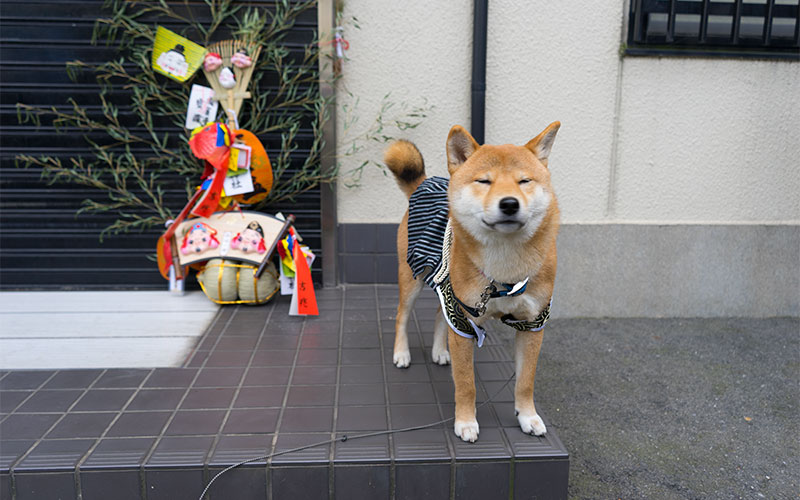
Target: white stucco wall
661	140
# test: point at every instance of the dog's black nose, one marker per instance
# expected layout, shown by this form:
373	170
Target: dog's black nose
509	205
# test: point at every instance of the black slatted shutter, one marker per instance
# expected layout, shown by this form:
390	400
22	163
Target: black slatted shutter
43	243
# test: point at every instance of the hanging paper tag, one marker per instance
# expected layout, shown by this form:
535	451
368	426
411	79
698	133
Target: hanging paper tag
202	107
238	184
287	284
306	299
175	56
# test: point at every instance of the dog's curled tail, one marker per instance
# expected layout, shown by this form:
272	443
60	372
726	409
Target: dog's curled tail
405	161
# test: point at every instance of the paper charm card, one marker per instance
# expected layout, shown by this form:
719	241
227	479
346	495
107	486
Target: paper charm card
243	236
175	56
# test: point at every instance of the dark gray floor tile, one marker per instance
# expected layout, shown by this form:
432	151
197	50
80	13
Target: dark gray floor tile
219	397
24	379
315	454
171	377
219	377
5	485
234	449
55	455
414	415
445	392
311	419
73	379
103	400
321	328
276	340
252	421
300	483
81	425
541	479
156	399
12	449
236	343
260	397
186	422
119	485
423	482
307	375
411	393
118	453
423	445
360	374
315	395
39	486
11	399
356	449
227	359
361	418
497	392
482	480
122	378
33	426
417	372
50	401
361	311
356	482
318	357
320	341
198	359
491	445
249	482
272	375
168	484
494	371
362	394
139	424
180	452
361	356
277	357
288	329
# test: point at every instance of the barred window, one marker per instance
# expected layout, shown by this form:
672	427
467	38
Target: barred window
757	28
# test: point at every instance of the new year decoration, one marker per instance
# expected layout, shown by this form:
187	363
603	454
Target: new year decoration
175	56
242	236
230	76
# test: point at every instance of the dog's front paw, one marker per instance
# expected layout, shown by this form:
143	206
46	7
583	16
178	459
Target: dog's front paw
440	357
402	359
531	423
467	430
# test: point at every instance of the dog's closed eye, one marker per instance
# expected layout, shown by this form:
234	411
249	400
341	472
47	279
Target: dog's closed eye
524	181
483	181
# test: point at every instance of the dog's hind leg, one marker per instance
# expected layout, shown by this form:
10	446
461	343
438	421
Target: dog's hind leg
528	345
439	352
409	290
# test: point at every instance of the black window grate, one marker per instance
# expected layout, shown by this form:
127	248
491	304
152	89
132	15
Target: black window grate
759	28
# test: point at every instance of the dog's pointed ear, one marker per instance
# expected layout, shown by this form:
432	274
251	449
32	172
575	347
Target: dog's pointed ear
460	146
543	143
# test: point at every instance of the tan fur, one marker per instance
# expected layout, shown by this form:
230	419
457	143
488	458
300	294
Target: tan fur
487	241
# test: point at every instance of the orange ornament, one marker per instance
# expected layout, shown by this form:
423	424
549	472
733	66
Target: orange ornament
260	169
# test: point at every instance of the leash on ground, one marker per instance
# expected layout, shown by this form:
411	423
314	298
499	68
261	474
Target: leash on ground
345	438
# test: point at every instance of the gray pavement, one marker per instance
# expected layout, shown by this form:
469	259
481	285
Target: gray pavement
675	408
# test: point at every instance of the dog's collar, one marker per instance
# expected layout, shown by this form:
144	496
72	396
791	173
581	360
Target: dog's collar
492	292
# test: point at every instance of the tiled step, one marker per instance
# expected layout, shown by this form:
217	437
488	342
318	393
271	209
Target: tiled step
259	383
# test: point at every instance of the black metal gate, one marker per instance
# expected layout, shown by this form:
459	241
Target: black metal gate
44	243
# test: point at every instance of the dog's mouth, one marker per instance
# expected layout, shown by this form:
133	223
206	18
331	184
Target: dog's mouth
503	225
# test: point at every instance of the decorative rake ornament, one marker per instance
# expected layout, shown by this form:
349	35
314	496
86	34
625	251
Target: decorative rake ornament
228	66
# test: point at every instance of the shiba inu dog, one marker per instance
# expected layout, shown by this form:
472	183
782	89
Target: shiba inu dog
489	253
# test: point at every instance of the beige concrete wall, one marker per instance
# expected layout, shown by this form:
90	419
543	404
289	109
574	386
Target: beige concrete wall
661	140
